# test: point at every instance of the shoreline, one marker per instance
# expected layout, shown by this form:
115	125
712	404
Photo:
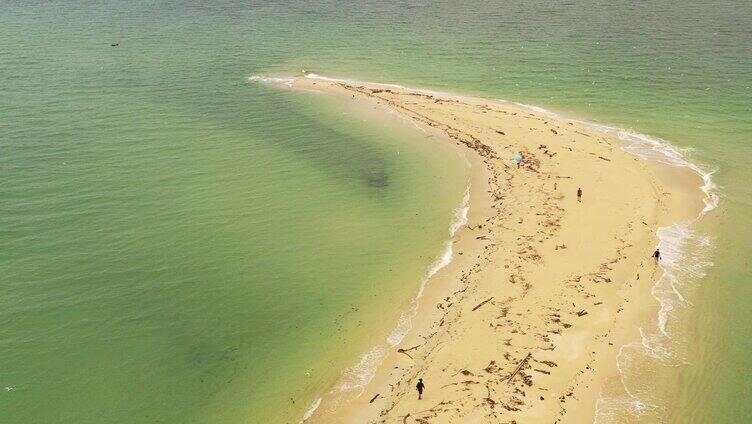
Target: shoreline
496	392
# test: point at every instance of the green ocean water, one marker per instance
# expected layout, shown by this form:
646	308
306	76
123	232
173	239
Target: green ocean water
180	245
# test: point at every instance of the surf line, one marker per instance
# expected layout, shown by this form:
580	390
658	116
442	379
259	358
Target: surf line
355	378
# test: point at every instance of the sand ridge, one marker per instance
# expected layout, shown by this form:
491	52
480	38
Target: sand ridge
526	322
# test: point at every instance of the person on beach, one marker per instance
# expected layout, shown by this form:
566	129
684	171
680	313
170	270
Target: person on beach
420	386
657	255
579	194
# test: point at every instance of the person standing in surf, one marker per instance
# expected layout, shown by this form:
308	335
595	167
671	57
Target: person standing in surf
420	386
657	255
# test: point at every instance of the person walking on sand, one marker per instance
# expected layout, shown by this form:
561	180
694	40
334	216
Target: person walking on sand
420	386
579	194
657	255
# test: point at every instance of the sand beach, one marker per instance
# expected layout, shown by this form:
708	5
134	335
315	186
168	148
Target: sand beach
526	322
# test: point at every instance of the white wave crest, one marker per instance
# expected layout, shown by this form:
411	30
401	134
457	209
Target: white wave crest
404	324
359	375
355	378
684	258
288	81
311	409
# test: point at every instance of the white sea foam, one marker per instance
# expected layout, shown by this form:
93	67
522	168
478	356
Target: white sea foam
662	151
611	411
288	81
355	378
460	214
404	324
311	409
358	376
684	258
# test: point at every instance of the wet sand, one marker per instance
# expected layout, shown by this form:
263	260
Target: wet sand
526	322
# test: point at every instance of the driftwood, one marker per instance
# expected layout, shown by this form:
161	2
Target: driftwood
482	303
519	367
488	399
400	350
374	398
582	313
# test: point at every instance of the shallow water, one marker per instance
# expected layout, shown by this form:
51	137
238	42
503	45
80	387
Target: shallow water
179	245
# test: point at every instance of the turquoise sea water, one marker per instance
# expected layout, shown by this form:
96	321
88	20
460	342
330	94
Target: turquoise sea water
178	245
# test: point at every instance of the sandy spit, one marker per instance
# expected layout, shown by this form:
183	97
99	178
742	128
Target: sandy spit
525	324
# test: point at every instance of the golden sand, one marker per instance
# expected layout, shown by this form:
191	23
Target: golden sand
526	322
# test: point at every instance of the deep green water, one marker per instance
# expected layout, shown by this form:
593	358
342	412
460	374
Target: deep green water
178	245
